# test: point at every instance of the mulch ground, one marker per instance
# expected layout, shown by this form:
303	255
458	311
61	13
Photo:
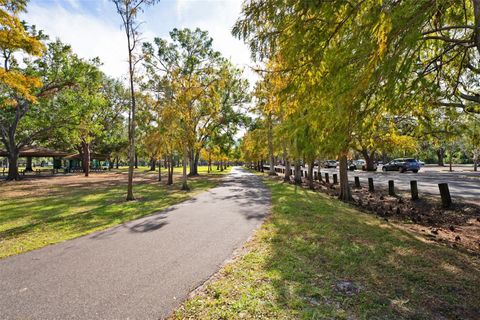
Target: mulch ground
457	226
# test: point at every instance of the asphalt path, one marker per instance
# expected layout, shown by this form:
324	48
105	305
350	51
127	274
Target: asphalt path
143	269
464	185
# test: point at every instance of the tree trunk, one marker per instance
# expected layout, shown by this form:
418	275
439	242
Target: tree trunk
310	175
369	159
450	161
286	178
194	163
221	166
131	124
190	163
209	163
159	170
271	172
475	161
476	14
13	164
86	158
170	170
441	155
185	161
298	173
345	192
28	167
117	162
153	163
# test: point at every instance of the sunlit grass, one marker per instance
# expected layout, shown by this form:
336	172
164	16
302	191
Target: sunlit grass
32	222
310	242
179	170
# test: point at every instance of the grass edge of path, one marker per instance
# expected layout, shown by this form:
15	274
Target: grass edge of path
34	223
294	268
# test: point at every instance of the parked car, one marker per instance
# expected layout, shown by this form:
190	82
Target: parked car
402	165
330	164
360	165
421	163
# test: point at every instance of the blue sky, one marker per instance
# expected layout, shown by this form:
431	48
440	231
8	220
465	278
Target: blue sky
92	27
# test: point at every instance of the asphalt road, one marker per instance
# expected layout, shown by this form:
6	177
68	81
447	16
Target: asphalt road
143	269
462	184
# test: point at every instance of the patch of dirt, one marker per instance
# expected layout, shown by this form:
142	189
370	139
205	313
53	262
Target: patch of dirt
47	185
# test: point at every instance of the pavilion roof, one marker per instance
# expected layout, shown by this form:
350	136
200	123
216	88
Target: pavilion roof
34	151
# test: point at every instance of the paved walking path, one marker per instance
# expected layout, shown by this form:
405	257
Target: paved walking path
142	269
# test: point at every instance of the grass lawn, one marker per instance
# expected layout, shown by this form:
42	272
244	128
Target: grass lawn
54	212
318	258
179	170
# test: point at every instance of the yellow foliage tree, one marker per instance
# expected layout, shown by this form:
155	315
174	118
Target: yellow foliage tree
14	37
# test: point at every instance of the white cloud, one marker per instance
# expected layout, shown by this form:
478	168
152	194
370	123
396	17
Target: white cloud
218	18
88	35
74	3
99	35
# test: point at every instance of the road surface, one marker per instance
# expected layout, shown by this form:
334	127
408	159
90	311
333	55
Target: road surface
462	184
143	269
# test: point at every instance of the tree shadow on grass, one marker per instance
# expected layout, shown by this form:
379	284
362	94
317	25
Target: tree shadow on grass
317	242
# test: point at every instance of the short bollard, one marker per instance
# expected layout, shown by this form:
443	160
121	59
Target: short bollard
391	188
357	182
414	189
445	194
370	185
327	180
335	178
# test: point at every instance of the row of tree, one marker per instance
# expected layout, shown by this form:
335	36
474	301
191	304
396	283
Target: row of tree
184	99
369	76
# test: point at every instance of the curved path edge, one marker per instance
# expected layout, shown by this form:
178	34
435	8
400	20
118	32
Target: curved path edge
143	269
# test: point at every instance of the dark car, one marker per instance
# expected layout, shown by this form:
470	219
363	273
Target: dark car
402	165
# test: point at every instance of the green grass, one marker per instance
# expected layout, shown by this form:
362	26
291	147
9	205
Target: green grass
32	222
310	242
179	170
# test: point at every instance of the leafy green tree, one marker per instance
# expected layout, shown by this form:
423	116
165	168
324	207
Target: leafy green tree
206	89
32	120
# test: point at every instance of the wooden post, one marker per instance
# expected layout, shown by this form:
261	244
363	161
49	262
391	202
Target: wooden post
445	194
370	185
327	180
357	182
335	178
391	188
414	189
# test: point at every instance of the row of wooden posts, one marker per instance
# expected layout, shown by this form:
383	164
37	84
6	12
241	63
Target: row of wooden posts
443	187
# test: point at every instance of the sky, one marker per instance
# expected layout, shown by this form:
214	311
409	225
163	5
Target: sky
93	28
